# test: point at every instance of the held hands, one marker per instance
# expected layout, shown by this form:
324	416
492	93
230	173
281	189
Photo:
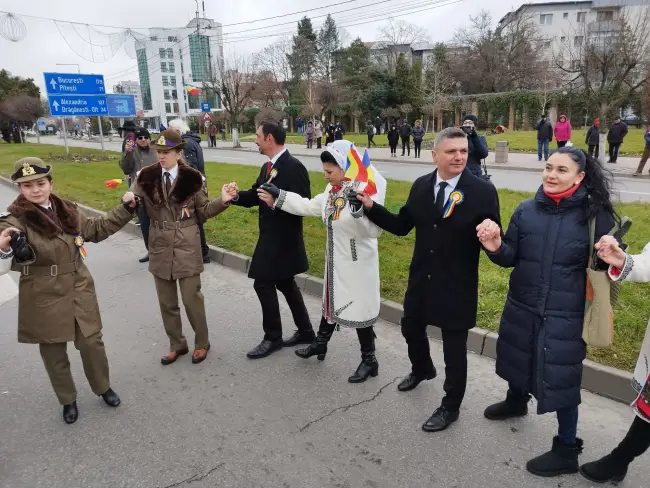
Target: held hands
5	239
364	199
489	235
353	200
229	192
21	248
610	252
129	201
268	193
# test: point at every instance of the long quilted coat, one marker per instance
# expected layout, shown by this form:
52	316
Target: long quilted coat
540	348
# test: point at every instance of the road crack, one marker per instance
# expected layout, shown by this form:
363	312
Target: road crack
196	477
345	408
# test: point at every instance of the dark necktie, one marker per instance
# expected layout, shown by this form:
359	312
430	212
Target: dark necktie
440	198
269	165
168	184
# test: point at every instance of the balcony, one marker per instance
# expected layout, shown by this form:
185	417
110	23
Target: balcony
604	27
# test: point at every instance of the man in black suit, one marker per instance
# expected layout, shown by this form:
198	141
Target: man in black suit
445	207
280	251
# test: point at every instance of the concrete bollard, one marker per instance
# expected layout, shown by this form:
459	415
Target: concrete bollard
501	152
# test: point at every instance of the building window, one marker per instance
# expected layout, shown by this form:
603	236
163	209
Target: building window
176	108
582	17
153	38
575	64
562	39
186	107
174	95
163	67
172	80
199	56
565	15
578	40
143	71
168	108
547	44
604	16
172	69
172	39
167	97
546	19
165	81
170	53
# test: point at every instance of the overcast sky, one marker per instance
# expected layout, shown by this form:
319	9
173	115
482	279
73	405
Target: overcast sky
44	46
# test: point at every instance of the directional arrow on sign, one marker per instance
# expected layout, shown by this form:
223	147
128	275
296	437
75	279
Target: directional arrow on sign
55	104
53	83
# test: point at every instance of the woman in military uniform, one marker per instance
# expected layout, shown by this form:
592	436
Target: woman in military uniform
56	298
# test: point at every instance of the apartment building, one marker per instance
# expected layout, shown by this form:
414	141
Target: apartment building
171	59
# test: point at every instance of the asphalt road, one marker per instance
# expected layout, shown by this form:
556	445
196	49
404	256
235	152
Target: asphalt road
629	189
279	422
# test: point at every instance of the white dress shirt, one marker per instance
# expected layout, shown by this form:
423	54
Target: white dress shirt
451	186
275	158
173	173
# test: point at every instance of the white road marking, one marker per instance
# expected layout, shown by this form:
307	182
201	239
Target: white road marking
634	192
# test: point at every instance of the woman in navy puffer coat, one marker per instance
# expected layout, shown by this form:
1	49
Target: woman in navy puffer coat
540	348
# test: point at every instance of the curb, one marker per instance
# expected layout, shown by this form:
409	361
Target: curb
606	381
498	166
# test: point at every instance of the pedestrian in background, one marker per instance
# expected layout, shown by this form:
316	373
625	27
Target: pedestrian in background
57	301
593	139
562	131
212	134
134	158
370	130
405	134
309	134
393	140
544	137
540	349
646	153
418	136
477	149
318	133
615	136
193	156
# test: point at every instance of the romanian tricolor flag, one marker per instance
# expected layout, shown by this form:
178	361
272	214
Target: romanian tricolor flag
192	90
112	183
361	171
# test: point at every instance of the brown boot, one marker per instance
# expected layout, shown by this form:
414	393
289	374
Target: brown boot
199	355
173	356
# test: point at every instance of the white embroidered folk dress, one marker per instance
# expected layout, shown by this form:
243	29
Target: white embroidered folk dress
8	288
351	295
637	269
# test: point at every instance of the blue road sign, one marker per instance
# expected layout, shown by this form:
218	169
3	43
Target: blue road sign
71	105
41	123
205	106
121	105
74	84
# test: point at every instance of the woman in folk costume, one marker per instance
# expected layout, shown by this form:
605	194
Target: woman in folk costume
351	292
8	289
613	467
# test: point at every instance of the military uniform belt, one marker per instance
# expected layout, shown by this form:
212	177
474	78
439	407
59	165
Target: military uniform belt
53	270
177	224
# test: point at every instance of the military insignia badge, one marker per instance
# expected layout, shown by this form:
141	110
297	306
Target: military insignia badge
161	141
27	169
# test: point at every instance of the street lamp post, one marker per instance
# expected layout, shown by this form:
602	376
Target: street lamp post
65	129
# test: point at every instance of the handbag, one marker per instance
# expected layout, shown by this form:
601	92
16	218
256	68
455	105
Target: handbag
601	293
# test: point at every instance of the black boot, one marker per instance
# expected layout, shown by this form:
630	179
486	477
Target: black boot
70	413
512	406
561	459
613	467
319	344
369	365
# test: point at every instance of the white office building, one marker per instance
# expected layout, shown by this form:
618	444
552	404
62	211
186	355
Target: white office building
130	88
172	58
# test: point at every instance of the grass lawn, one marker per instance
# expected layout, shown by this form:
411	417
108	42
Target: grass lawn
236	229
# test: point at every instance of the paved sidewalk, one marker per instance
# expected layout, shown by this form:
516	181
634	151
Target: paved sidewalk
516	161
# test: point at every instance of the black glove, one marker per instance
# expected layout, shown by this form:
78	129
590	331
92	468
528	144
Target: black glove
21	248
127	205
272	189
355	203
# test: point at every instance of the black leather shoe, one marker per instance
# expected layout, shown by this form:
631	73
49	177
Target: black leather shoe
70	413
300	337
111	398
440	420
411	381
265	348
144	259
206	259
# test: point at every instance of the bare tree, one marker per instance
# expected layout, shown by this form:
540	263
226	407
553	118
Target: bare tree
609	59
438	82
398	37
274	60
233	81
489	60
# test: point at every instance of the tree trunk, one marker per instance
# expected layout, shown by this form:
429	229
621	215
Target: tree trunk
602	131
235	134
356	125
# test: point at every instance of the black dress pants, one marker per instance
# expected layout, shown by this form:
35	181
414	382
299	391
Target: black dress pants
271	319
406	145
613	152
454	345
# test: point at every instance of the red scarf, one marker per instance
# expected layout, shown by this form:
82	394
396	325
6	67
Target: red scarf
558	197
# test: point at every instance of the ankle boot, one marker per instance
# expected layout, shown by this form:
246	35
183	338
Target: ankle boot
561	459
512	406
613	467
369	365
319	346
